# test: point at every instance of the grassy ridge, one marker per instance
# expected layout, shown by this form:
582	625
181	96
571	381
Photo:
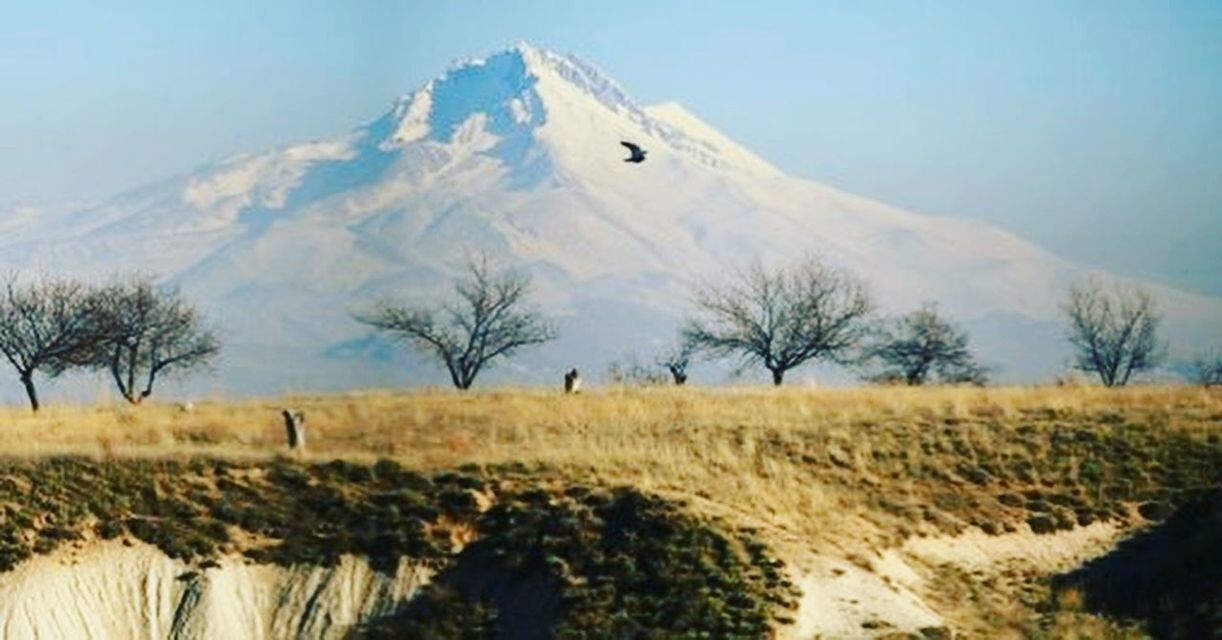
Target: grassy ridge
847	471
616	562
781	460
191	508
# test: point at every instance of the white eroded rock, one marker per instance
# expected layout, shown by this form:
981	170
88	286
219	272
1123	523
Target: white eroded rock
109	590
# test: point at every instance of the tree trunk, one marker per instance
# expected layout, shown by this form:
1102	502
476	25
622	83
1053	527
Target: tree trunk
1106	378
778	376
468	374
27	380
1126	373
124	390
1110	373
455	379
148	388
131	376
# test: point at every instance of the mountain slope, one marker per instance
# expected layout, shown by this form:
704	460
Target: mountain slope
518	155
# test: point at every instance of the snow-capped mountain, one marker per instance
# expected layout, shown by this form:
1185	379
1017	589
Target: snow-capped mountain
518	155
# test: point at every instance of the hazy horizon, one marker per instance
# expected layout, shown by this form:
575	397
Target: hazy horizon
1093	130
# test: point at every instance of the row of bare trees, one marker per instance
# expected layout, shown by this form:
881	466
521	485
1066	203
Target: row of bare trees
778	320
784	318
775	319
131	328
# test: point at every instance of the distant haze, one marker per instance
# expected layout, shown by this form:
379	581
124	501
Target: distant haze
1092	128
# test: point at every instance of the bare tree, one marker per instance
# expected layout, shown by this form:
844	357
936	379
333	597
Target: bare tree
782	319
489	320
676	360
1115	330
922	345
1206	369
46	327
148	331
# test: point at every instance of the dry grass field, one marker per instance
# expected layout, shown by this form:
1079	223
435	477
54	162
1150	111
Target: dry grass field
784	458
848	472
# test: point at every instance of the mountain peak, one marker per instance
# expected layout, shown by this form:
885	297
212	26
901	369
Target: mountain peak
577	72
504	87
516	92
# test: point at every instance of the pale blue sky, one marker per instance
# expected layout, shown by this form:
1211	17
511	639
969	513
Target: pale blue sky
1093	128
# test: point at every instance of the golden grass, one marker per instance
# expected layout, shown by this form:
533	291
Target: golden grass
846	471
763	457
433	427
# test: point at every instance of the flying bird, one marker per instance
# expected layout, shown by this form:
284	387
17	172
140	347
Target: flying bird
638	154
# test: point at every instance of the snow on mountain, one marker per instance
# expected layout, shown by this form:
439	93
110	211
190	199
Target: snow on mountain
518	155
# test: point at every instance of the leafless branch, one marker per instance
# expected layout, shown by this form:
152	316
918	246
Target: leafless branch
488	320
148	331
1115	330
782	319
919	346
45	326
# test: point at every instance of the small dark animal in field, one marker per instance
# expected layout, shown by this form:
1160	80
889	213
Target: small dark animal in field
294	426
572	382
638	154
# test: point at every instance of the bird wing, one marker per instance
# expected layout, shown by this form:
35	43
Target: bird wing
631	147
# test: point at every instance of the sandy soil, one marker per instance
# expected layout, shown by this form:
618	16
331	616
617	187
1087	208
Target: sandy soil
889	592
